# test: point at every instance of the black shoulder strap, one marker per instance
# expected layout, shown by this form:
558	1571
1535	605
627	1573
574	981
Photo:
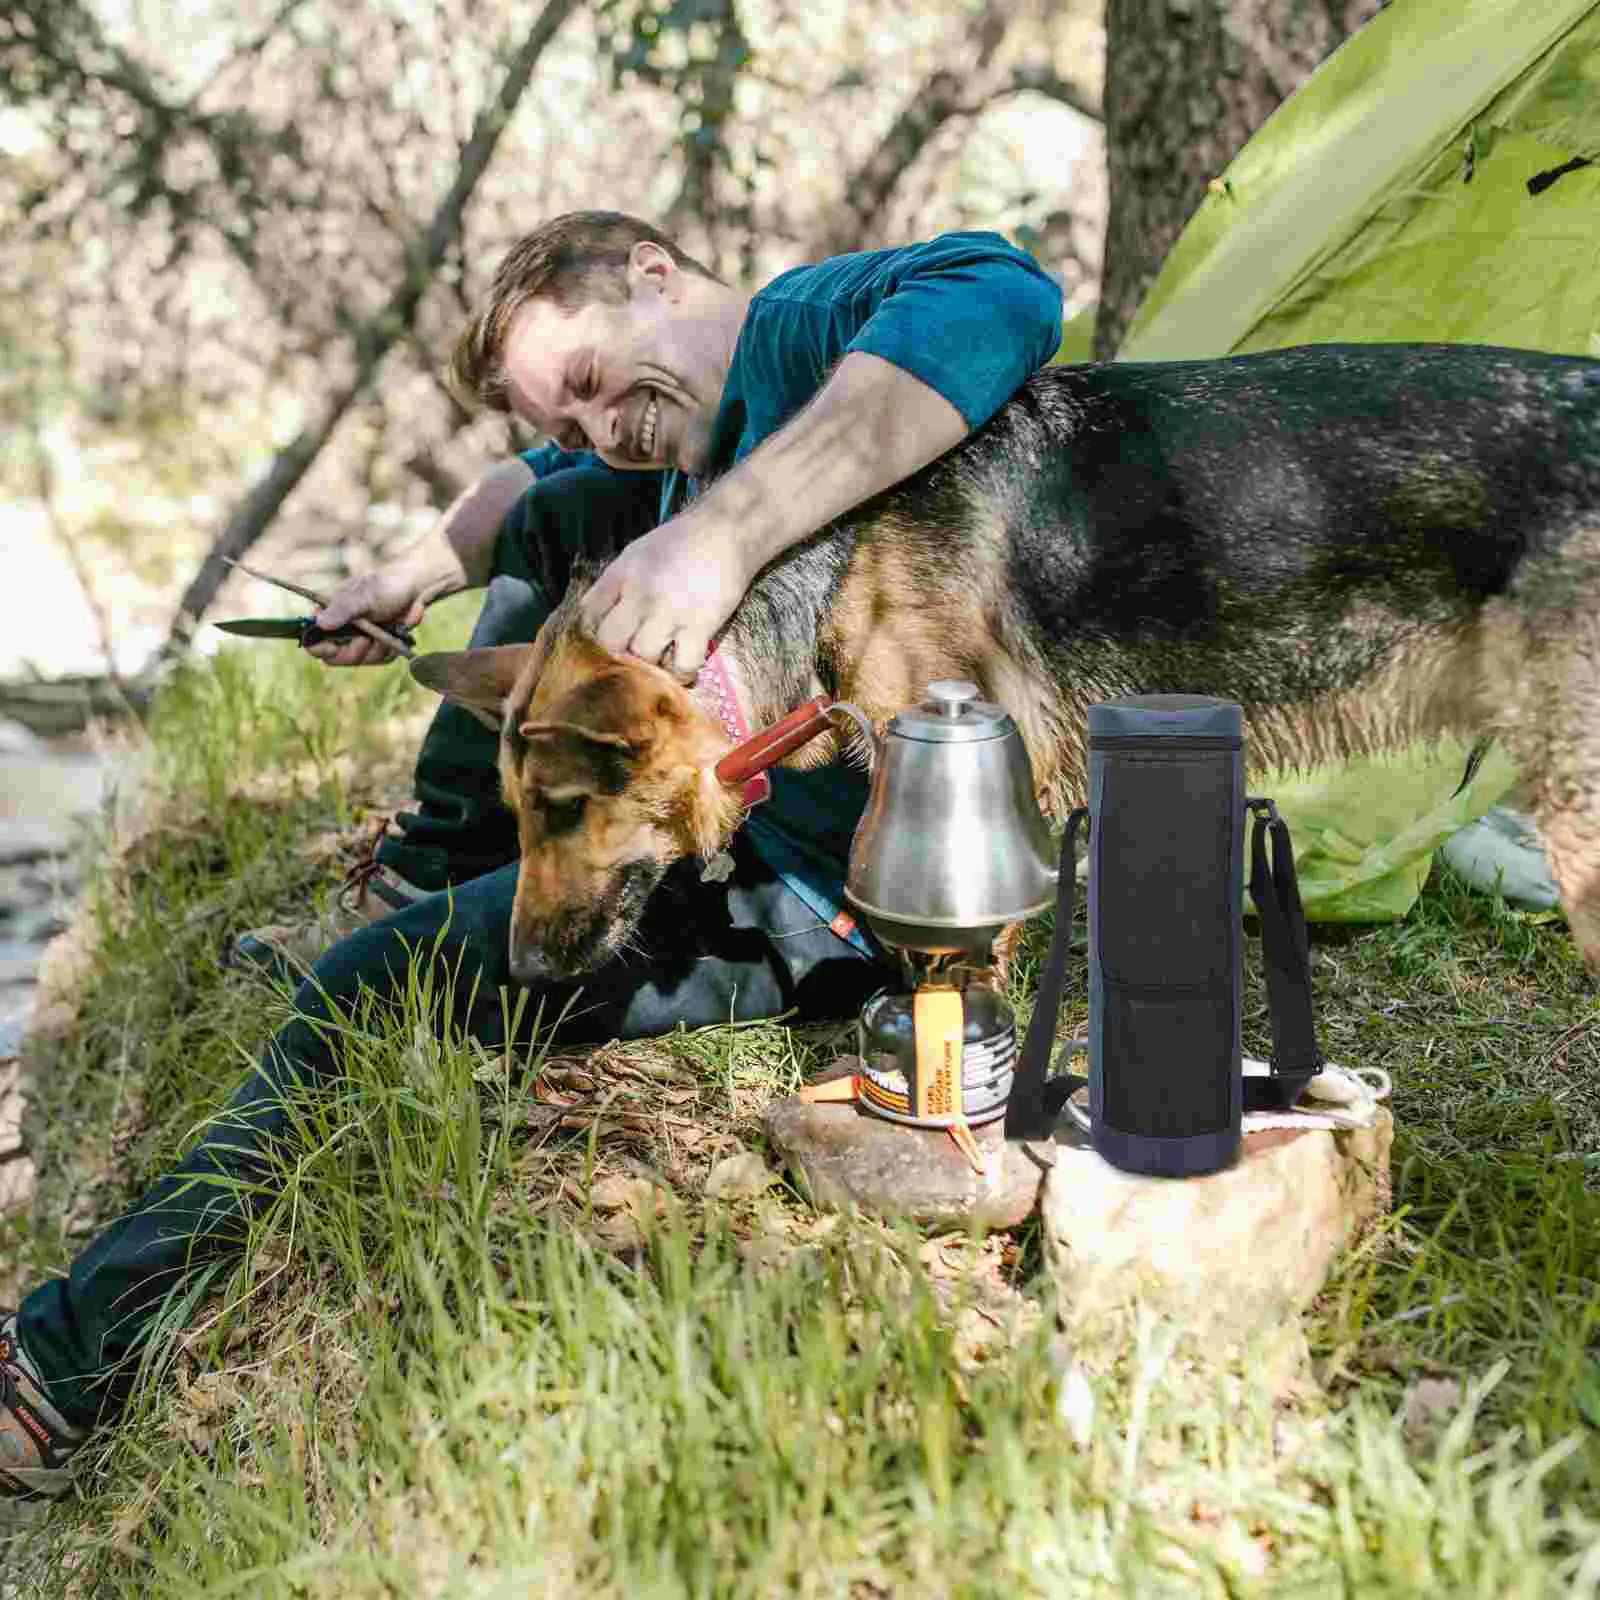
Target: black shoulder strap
1286	953
1036	1099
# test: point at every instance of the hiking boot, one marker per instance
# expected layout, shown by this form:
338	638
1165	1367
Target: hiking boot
36	1441
370	892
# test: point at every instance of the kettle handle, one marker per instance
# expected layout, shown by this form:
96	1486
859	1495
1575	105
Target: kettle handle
869	740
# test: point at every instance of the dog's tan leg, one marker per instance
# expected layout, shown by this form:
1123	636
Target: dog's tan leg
1542	674
1573	843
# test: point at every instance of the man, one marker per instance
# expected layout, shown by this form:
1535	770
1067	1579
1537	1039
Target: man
826	387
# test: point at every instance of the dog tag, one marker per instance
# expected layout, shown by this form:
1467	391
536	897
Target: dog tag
718	869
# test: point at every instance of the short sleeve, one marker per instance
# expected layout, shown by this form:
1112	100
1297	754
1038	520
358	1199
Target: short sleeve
970	315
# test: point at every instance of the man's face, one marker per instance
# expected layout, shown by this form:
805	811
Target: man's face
637	381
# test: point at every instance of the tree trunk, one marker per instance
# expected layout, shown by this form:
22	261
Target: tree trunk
1187	82
375	337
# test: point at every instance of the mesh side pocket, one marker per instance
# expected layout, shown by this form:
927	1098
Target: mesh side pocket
1172	1051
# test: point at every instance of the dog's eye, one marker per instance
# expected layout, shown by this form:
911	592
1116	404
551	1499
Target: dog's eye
561	816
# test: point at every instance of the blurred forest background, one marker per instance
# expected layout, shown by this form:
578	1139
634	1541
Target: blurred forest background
240	234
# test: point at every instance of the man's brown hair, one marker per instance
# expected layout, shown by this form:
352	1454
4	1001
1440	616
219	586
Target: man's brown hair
573	260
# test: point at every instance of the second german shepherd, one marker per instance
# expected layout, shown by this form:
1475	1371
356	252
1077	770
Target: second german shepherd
1360	544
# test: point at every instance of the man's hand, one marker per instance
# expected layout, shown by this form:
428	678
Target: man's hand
456	553
871	425
391	594
664	598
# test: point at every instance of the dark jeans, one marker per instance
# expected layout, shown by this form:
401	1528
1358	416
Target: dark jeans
571	520
708	953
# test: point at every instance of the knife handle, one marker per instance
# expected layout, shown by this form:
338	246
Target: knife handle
395	634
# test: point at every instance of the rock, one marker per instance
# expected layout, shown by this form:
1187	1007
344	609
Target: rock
740	1177
16	1185
1226	1259
19	962
16	1167
1428	1406
18	740
852	1158
10	1108
32	840
619	1192
63	969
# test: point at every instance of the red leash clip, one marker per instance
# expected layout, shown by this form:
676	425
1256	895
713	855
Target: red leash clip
747	763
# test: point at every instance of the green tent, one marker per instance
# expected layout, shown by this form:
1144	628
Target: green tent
1431	181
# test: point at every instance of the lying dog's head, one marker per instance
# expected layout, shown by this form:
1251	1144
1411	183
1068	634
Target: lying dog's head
607	763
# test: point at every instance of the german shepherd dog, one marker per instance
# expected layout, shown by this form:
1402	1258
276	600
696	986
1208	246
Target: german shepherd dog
1363	545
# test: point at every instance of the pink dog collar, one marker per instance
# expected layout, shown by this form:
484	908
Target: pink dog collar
753	753
716	688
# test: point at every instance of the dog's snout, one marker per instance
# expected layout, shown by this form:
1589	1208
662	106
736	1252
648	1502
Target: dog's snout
528	965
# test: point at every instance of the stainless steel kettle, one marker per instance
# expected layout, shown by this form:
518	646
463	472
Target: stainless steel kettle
952	845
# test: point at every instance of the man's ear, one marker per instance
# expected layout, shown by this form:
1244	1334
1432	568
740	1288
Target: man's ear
649	266
482	679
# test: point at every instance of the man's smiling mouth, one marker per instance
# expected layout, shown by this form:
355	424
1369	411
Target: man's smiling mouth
645	442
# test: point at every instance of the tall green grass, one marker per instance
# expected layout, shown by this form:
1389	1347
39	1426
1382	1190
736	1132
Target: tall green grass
438	1374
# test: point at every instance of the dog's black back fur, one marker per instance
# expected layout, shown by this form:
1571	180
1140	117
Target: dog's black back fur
1172	521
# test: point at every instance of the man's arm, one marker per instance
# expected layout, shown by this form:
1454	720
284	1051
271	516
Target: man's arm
871	425
962	323
455	553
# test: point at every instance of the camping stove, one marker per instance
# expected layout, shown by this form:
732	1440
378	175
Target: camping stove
942	1054
950	850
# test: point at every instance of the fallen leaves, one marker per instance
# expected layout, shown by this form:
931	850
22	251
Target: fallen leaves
1428	1405
740	1177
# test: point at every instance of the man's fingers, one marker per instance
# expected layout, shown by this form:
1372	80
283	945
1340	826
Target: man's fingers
652	639
375	599
616	629
365	652
599	604
343	605
688	653
358	652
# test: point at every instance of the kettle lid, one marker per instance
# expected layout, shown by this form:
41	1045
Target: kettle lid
952	713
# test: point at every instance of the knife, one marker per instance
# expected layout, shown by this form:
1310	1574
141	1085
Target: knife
305	632
396	637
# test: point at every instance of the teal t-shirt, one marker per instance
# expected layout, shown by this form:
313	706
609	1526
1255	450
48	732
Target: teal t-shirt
969	315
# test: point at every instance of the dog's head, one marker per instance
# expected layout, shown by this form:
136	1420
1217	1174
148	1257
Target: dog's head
608	764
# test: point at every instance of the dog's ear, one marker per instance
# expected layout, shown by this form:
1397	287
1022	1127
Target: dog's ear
566	756
482	678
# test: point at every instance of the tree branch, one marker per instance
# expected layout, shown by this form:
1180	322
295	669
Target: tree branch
942	97
1038	80
374	338
249	50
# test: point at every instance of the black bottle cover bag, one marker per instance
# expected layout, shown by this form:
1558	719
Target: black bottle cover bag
1166	866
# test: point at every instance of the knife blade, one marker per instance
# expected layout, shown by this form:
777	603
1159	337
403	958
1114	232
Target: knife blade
304	630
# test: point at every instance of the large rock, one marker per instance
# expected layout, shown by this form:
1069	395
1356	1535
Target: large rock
64	968
16	1168
851	1158
1227	1259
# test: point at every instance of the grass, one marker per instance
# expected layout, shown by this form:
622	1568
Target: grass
513	1328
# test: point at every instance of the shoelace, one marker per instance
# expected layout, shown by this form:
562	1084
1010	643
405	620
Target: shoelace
33	1424
364	874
